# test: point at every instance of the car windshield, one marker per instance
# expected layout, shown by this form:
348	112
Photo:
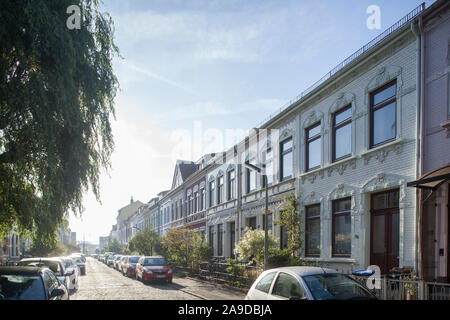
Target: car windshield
21	287
154	262
52	265
68	263
133	259
335	287
78	260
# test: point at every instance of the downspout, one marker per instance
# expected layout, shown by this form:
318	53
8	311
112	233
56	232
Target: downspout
418	259
422	132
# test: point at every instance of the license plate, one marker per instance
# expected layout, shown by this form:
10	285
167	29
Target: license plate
160	277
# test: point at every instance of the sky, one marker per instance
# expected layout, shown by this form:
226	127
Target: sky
196	75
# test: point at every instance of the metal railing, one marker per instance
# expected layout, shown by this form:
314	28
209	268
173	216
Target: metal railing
217	272
406	289
399	24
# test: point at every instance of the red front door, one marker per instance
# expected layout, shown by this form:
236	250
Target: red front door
384	242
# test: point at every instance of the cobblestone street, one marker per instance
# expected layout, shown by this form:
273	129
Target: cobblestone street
104	283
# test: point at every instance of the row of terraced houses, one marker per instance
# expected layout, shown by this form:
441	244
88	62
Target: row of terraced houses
366	150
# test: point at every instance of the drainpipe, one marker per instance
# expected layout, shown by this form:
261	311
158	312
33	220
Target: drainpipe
418	238
422	131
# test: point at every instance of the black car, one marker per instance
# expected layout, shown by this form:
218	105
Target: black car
30	283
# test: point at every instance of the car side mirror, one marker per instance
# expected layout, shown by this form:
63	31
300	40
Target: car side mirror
57	293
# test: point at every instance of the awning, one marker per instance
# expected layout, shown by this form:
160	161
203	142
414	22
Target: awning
432	180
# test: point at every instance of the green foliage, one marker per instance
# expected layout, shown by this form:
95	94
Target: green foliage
144	242
251	246
284	257
51	248
185	247
289	217
236	272
113	245
57	89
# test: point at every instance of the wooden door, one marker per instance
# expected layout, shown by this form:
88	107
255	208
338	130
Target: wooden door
385	230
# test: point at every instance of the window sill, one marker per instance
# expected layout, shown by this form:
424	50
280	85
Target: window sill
330	165
331	260
389	144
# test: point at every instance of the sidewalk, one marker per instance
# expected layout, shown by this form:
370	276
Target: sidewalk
209	291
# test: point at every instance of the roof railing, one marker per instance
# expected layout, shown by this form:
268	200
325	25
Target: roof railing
399	24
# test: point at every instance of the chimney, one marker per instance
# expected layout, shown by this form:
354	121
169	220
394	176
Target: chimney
131	201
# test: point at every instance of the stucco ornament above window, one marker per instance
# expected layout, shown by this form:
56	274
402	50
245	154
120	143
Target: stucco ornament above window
286	133
383	76
230	167
383	181
312	198
313	117
344	99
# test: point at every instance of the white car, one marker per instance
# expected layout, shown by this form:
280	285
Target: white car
54	264
307	283
71	268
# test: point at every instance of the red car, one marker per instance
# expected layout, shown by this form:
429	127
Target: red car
153	268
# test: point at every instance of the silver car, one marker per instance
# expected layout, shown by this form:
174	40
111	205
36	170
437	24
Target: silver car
306	283
73	279
54	264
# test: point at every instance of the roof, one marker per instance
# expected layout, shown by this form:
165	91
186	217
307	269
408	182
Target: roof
432	180
186	169
27	271
183	169
128	210
304	271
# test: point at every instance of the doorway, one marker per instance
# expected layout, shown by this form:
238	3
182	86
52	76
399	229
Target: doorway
385	230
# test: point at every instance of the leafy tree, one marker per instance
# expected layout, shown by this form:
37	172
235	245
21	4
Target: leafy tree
57	89
144	242
251	246
113	245
185	246
290	218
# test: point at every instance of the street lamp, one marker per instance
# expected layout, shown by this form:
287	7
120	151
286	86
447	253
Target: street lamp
266	211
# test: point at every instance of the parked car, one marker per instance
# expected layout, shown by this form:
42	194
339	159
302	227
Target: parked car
307	283
120	263
129	265
110	260
54	264
116	261
80	264
82	256
153	268
70	265
30	283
